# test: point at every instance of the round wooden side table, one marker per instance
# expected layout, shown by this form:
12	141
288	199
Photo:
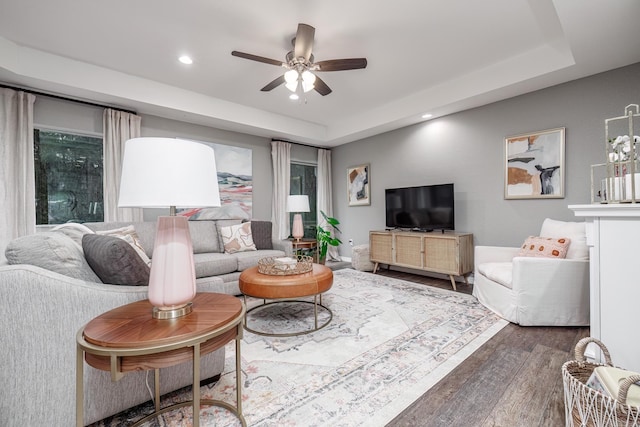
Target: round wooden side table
128	338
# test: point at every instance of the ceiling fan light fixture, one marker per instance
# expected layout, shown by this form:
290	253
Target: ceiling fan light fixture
292	77
308	80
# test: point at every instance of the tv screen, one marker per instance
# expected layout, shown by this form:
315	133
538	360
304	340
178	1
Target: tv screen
424	208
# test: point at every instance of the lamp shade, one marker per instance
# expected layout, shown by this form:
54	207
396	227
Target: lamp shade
163	172
298	203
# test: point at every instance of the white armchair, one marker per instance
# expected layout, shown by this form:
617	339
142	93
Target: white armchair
536	291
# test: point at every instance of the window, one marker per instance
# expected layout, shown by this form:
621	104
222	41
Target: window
303	181
68	173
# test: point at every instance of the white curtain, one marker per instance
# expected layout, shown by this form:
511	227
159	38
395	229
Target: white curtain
281	158
325	194
118	127
17	186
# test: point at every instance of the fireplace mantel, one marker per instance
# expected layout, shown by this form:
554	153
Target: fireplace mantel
613	236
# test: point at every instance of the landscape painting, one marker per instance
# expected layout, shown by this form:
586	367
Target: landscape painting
534	165
235	181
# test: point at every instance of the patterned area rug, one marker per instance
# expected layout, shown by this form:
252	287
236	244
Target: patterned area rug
389	341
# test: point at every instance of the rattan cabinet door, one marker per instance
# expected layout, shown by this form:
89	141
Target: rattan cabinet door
408	249
441	255
381	247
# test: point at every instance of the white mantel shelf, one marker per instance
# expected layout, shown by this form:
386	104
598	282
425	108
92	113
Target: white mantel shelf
613	236
607	210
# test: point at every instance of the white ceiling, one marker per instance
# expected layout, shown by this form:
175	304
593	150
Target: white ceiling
423	56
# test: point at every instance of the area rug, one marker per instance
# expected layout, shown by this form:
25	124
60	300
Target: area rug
389	341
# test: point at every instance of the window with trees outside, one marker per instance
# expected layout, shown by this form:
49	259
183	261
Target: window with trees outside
68	174
303	181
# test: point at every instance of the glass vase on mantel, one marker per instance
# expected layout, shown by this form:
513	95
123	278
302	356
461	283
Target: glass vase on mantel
621	180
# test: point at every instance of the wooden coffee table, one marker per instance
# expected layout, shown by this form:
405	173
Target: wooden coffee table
285	289
128	339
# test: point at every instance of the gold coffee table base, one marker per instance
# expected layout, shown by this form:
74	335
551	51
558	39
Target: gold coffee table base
315	303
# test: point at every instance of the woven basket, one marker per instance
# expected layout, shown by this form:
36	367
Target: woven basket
587	407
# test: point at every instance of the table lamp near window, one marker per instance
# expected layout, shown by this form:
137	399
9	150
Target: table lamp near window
167	172
298	204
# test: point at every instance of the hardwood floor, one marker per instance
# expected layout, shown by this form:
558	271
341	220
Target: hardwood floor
513	380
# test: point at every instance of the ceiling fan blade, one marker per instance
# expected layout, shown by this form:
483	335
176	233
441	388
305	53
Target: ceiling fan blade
256	58
321	87
341	64
274	84
304	41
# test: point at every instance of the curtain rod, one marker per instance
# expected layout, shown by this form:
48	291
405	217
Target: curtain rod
64	98
300	143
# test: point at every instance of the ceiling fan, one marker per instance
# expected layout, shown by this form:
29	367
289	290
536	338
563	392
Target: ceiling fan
301	67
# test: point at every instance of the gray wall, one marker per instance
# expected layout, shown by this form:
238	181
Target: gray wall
468	149
464	148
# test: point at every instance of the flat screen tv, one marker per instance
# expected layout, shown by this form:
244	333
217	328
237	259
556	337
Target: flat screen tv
425	208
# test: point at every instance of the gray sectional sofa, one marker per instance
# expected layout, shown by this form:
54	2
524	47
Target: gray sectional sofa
46	300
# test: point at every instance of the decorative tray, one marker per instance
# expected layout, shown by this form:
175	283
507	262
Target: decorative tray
284	266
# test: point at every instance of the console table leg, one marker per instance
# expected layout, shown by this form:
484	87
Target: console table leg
453	282
79	387
156	382
196	385
239	376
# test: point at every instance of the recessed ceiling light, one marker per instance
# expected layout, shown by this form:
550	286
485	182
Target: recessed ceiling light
185	60
294	97
427	116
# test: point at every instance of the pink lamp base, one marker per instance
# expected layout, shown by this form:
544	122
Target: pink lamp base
172	283
298	228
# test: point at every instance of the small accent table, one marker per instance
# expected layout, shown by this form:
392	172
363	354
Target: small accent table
285	287
128	338
306	244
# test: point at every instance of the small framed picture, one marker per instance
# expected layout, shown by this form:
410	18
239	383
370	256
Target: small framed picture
358	191
534	165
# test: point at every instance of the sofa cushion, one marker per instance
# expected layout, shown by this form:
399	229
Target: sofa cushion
261	233
204	237
251	258
576	231
213	264
53	251
237	238
499	272
115	261
545	247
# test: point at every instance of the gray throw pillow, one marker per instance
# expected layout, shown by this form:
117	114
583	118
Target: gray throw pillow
53	251
261	232
114	260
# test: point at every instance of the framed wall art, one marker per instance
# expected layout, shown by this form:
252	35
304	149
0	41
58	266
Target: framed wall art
358	191
534	165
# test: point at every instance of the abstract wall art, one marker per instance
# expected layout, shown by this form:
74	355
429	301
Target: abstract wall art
534	165
358	191
235	181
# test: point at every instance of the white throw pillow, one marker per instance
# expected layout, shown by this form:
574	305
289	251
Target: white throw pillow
237	238
576	231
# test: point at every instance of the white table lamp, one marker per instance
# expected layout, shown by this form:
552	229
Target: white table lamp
298	203
168	172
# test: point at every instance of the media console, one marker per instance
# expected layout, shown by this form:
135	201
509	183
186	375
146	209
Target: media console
449	253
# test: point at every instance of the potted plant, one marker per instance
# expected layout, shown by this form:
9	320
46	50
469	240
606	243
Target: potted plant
324	237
